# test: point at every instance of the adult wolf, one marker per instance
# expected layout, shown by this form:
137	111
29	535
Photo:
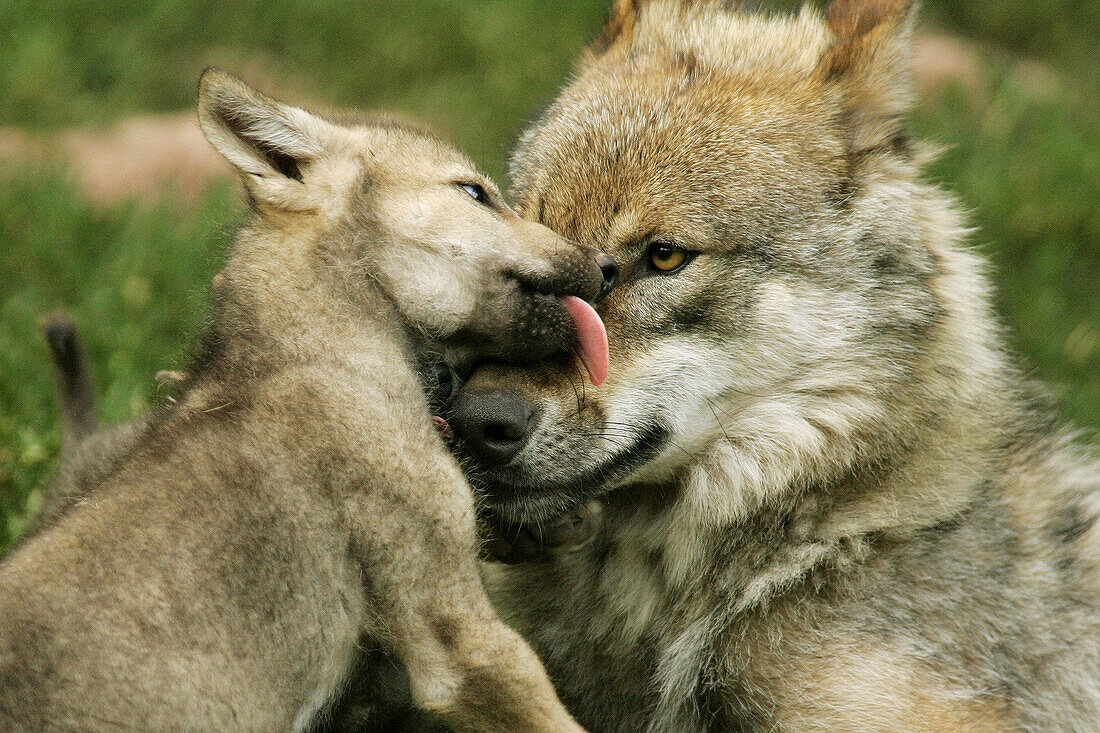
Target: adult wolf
831	501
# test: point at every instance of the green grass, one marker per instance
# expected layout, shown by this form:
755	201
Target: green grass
136	280
470	69
136	276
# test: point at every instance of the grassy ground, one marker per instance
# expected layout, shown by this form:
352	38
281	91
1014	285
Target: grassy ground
1023	155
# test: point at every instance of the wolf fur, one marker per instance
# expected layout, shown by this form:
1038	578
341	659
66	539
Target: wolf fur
221	564
832	502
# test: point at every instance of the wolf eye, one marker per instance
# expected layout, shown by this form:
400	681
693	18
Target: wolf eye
477	193
667	257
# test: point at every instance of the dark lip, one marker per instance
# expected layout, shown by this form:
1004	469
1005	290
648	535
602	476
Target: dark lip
525	345
546	297
518	512
515	500
561	318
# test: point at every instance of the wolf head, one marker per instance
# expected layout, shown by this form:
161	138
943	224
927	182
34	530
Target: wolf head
795	313
377	204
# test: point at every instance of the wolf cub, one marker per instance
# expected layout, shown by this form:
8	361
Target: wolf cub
224	568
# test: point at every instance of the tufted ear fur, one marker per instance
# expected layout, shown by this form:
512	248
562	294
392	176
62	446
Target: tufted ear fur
619	28
271	144
871	60
618	31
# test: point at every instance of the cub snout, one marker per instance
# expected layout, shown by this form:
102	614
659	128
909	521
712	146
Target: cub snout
538	315
586	274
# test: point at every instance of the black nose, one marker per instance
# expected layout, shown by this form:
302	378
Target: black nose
494	426
610	270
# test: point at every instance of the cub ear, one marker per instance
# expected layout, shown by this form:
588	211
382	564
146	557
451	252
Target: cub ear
270	143
871	59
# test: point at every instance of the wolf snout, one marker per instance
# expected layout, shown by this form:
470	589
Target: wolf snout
494	426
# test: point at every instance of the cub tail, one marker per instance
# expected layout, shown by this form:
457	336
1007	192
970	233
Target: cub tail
74	379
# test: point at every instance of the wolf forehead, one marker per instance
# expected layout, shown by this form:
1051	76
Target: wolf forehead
726	110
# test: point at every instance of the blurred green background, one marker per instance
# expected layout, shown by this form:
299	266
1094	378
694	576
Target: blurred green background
1012	90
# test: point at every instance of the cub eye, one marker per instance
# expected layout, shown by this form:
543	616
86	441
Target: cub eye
477	193
667	257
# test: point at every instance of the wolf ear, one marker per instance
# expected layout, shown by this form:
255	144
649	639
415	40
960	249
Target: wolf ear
871	59
270	143
619	28
618	31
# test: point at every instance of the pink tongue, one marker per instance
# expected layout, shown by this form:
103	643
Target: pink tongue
591	336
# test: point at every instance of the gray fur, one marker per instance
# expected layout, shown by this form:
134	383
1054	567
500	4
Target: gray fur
832	501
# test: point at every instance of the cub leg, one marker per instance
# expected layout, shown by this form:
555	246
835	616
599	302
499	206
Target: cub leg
465	665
